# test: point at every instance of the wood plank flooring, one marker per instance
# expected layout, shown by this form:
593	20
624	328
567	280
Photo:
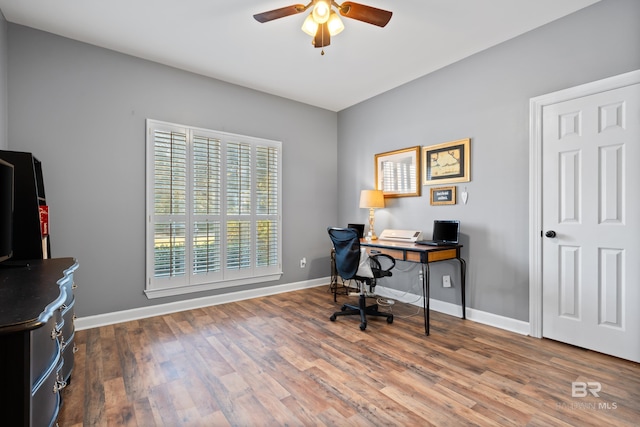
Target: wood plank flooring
279	361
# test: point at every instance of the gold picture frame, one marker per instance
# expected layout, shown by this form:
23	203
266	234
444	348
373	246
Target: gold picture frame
443	196
447	163
398	172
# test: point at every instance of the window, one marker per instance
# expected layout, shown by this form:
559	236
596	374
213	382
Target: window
213	209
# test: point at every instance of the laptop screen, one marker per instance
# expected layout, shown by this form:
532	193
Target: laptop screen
446	230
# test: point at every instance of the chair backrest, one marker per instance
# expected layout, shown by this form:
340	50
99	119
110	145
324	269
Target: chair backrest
359	228
346	244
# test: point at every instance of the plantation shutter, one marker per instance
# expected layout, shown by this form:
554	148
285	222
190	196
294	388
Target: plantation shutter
170	165
267	197
238	206
213	203
207	227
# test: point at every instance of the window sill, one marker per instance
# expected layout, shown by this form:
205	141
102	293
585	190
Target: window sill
187	289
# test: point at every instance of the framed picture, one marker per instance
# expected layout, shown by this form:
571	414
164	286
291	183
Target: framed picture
443	196
398	172
447	163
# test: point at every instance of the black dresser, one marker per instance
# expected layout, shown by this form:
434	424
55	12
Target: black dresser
36	338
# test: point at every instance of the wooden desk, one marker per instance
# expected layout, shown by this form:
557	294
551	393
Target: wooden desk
424	255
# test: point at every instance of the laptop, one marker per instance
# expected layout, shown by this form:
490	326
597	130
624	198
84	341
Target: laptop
445	232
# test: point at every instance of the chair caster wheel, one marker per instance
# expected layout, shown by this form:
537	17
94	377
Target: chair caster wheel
390	319
344	308
332	318
363	326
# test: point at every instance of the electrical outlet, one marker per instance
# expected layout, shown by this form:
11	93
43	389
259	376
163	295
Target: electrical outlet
303	262
446	281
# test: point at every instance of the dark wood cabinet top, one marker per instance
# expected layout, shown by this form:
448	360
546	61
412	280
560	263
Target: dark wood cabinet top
30	292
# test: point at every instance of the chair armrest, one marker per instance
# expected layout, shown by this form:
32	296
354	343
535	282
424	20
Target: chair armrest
378	271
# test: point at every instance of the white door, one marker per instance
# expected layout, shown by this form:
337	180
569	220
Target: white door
591	222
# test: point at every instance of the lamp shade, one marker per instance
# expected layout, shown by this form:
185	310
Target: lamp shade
321	11
310	26
371	199
335	24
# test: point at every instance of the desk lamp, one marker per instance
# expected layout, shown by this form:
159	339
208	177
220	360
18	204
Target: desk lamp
372	199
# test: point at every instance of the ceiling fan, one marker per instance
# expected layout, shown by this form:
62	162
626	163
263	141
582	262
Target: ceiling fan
323	22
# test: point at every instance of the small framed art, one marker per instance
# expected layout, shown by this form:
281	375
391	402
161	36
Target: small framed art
443	196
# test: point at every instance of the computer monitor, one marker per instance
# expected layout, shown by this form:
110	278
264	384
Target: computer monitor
359	228
446	231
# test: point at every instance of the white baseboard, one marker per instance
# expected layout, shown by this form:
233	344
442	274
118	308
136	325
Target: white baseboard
490	319
506	323
98	320
514	325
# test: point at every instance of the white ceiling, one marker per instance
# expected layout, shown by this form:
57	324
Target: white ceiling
220	39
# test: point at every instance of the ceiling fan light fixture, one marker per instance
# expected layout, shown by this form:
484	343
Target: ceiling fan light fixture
310	26
335	24
323	22
321	12
323	37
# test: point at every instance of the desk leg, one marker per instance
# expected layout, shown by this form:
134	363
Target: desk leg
463	272
425	294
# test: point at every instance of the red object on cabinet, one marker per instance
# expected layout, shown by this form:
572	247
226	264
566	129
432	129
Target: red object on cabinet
44	220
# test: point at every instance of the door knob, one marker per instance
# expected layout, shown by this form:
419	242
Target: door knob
551	234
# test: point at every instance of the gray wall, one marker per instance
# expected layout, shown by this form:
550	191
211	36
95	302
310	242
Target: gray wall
4	143
486	98
81	110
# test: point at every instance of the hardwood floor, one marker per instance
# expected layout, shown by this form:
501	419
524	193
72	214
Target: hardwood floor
279	361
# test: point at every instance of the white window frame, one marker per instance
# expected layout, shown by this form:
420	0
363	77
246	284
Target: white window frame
156	287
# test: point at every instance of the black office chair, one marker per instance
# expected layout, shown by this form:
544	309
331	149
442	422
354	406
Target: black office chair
359	228
346	244
334	286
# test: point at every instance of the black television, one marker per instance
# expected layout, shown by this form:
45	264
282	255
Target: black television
6	210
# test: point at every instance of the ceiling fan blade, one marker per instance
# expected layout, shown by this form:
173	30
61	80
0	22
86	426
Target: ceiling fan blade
279	13
322	38
368	14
